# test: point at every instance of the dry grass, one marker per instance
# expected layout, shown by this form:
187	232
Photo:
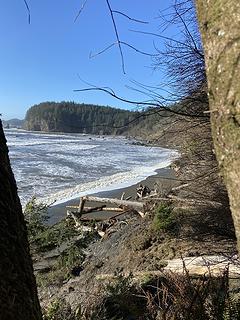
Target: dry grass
170	297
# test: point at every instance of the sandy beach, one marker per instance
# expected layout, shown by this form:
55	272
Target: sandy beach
164	179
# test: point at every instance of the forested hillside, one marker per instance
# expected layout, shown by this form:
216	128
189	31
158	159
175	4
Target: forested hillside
83	118
13	123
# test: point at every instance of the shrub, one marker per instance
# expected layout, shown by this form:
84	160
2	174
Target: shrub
41	236
36	215
164	218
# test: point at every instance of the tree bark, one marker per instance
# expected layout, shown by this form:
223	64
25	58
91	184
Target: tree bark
219	22
18	292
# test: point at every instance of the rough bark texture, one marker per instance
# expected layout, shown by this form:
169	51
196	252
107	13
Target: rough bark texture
18	293
220	28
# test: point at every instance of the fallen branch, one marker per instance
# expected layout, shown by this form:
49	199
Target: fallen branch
195	201
180	187
171	198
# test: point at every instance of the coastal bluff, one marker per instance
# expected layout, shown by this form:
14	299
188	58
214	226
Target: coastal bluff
78	118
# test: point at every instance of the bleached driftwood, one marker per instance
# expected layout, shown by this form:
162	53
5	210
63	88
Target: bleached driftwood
125	203
198	266
103	208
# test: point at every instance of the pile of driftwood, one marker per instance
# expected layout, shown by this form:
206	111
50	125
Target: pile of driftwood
122	206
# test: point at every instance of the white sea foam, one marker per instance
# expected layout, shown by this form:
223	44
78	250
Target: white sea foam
53	143
68	166
115	181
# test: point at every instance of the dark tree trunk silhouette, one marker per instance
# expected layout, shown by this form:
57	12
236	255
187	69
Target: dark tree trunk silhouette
220	28
18	292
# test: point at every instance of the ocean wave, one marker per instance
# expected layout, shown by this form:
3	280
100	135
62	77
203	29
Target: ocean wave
115	181
49	142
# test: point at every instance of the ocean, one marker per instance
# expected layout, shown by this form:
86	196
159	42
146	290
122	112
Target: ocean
60	167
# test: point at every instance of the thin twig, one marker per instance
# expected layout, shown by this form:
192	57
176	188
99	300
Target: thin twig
102	51
80	10
117	36
126	44
126	16
28	10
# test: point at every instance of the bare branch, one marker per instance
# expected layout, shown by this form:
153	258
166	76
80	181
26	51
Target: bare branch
102	51
127	45
160	36
155	103
188	32
28	10
117	36
137	50
80	10
126	16
92	85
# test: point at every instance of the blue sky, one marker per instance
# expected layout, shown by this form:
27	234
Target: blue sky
41	61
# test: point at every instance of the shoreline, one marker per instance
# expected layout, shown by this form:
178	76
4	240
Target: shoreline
164	179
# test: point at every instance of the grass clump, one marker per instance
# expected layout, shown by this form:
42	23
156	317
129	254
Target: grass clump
59	309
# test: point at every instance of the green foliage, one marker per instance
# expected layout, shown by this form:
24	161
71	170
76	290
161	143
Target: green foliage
121	285
72	257
53	236
36	215
83	118
164	219
69	259
41	236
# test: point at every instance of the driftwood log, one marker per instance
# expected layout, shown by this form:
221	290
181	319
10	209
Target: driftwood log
198	266
100	208
126	203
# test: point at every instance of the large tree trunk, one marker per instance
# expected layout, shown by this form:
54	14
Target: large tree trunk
18	292
219	22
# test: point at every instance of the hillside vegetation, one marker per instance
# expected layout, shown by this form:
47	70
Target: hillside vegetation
13	123
82	118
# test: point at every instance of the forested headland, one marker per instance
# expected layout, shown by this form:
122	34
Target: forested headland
80	118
